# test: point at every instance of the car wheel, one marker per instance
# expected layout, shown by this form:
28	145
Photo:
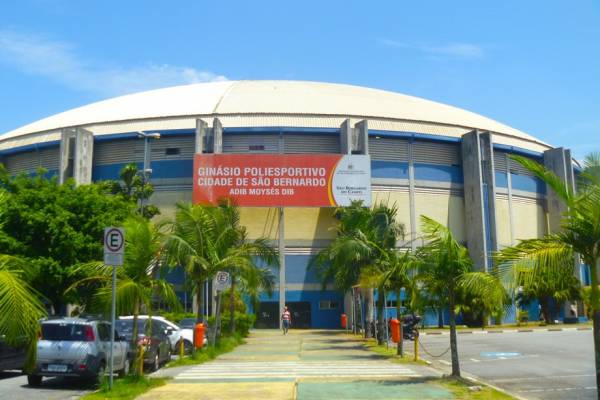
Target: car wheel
100	373
125	371
34	380
156	363
187	347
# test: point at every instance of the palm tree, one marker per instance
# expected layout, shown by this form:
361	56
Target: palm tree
399	274
20	305
445	266
580	234
206	239
342	262
356	256
138	281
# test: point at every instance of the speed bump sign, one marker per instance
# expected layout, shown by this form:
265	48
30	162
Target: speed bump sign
114	245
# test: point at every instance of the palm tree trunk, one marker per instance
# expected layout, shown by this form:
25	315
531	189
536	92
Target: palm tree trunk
217	319
134	336
440	311
232	306
399	349
368	300
380	319
545	311
595	303
453	343
199	301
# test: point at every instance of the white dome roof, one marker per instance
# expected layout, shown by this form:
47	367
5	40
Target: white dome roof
274	98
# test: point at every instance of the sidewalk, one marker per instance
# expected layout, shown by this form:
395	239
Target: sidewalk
307	364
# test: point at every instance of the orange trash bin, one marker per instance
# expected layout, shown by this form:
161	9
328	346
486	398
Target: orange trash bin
199	335
344	321
395	325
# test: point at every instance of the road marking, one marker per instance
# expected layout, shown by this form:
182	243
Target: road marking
257	370
537	378
474	360
445	362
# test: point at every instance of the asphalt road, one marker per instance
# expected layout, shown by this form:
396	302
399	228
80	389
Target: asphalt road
13	386
533	365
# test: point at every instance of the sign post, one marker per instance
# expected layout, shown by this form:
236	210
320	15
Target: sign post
114	246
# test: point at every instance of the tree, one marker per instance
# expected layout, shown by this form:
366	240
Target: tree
207	239
135	189
138	280
549	287
445	266
355	256
55	227
399	274
580	234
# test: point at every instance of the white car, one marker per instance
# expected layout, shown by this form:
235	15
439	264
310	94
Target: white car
174	332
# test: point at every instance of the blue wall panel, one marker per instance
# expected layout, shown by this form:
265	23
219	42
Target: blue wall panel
163	169
389	169
439	173
527	183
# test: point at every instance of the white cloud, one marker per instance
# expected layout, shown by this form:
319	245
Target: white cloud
461	50
58	61
457	50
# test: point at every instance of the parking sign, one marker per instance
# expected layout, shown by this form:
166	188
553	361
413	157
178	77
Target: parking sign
222	281
114	246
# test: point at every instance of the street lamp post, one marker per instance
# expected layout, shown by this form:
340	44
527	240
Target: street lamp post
147	171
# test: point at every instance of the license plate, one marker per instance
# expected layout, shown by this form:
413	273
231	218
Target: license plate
57	368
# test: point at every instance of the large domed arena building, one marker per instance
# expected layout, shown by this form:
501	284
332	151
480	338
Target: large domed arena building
427	158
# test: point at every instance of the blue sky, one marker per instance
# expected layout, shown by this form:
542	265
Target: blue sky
534	65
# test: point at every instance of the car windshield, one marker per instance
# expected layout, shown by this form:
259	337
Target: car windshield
187	323
63	331
125	327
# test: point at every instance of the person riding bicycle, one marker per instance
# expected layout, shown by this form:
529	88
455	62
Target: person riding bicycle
286	318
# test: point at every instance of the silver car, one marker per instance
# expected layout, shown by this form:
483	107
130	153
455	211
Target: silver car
77	347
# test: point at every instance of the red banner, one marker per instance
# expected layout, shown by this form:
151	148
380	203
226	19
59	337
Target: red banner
278	180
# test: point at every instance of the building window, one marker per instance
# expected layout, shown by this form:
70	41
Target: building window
172	151
256	147
328	305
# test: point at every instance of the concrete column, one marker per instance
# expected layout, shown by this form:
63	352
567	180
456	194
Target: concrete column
361	137
558	161
65	162
346	137
479	196
76	155
217	136
201	142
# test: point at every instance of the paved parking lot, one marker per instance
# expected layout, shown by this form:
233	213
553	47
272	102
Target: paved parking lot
13	386
534	365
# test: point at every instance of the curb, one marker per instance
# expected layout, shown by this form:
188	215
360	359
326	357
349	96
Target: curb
485	332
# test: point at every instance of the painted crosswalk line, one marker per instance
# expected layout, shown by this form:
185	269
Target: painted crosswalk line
253	370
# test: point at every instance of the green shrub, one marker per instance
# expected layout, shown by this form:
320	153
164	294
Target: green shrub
243	323
175	316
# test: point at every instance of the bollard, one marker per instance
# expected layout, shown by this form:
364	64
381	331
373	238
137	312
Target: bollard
181	352
416	346
141	367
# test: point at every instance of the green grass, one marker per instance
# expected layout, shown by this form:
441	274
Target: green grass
529	325
460	389
207	353
390	352
127	388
